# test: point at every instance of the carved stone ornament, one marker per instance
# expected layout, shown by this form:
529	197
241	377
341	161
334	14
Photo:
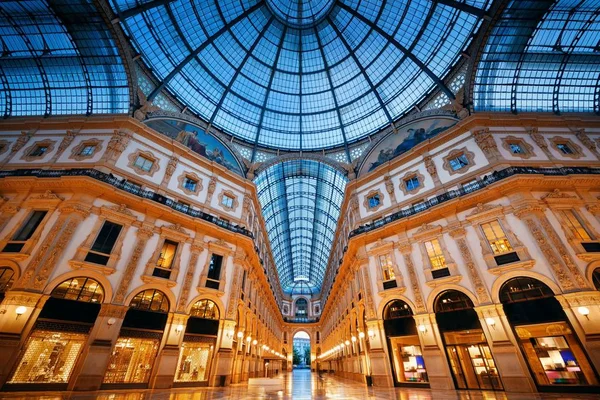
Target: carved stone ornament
557	194
47	195
121	209
170	170
430	165
585	139
232	196
143	234
538	138
189	175
212	184
176	228
481	208
389	185
486	143
4	146
113	311
21	141
470	156
370	195
146	106
27	156
66	141
526	147
76	151
147	155
117	144
414	281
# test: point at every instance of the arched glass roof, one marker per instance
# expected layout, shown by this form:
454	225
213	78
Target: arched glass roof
301	202
300	74
58	59
542	56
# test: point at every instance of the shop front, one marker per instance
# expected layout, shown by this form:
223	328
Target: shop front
469	355
133	357
404	346
197	349
555	356
59	336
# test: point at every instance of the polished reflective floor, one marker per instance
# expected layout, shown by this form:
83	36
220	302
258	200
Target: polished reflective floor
298	385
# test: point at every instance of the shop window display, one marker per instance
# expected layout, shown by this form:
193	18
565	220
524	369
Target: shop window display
132	360
194	360
49	357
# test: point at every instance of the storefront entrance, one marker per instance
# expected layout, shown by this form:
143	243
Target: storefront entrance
468	353
404	346
549	344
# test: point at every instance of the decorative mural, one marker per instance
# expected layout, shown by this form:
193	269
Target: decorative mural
198	141
406	137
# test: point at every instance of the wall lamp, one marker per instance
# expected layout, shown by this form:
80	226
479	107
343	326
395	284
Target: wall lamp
422	328
371	334
20	311
491	322
584	311
179	328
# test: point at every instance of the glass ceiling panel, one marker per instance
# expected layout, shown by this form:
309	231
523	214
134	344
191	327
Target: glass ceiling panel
300	202
58	59
542	56
291	74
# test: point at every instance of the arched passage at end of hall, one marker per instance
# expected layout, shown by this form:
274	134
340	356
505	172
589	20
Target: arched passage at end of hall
301	356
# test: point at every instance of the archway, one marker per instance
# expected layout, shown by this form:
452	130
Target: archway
301	350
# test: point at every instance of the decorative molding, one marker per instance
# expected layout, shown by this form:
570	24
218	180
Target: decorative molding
75	152
4	146
527	148
46	142
116	145
47	195
558	194
457	153
170	170
212	184
409	175
487	144
585	139
189	175
145	154
370	194
230	194
21	141
389	185
120	208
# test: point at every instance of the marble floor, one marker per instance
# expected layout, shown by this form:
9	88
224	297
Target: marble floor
298	385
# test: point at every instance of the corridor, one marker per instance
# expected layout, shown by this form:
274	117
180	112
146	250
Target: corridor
298	385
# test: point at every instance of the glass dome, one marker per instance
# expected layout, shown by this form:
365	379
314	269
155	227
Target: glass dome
300	75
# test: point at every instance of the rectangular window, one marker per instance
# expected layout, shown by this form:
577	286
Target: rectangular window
25	232
87	150
103	245
573	223
435	254
496	237
167	255
214	271
190	184
374	201
412	183
459	162
227	201
564	148
387	267
38	151
143	163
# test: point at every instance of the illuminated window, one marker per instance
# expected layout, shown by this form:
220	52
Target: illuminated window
80	289
6	280
458	162
103	245
387	267
574	225
227	201
25	232
412	183
496	237
194	360
150	300
206	309
38	151
88	150
435	254
165	259
132	360
143	163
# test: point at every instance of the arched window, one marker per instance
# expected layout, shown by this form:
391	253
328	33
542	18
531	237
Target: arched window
7	276
301	307
82	289
206	309
397	309
523	289
151	300
596	278
452	300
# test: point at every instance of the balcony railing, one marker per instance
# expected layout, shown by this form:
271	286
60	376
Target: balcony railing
129	188
473	187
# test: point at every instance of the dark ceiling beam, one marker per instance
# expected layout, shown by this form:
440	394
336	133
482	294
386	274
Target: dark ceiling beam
199	49
131	12
478	12
436	79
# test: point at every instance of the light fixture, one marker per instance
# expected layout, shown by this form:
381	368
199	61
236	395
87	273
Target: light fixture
249	339
229	334
371	334
584	311
347	342
361	335
422	328
255	342
491	322
111	321
20	311
240	334
353	338
179	328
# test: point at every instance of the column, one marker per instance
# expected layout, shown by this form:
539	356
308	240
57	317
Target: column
509	360
459	236
222	370
144	233
166	361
